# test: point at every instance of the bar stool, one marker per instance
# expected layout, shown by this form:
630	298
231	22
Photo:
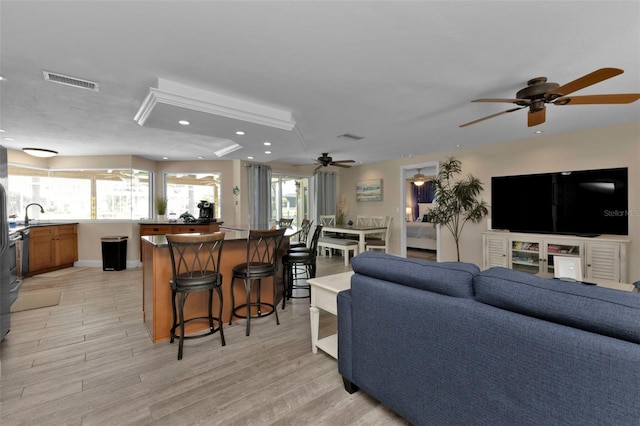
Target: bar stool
295	258
283	223
262	261
195	263
305	227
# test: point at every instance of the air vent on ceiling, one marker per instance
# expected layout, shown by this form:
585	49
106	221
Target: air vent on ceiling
351	136
70	81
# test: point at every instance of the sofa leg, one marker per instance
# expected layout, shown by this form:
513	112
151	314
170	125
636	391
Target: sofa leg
349	387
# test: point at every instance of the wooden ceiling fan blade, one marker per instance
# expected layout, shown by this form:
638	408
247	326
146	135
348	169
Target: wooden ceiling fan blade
318	168
344	161
621	98
587	80
536	117
344	166
508	101
490	116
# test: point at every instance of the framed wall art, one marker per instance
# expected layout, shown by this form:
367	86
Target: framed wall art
369	190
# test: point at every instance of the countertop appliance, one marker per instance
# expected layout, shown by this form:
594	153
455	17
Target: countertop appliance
206	212
5	250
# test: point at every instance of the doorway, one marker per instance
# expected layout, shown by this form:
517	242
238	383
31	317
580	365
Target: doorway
290	198
418	239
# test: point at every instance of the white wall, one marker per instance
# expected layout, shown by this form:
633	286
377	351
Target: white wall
613	146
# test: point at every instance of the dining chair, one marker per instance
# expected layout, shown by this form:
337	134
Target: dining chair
195	264
381	244
363	220
263	249
295	258
380	221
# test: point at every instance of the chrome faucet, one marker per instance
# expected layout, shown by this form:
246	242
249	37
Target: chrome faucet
26	216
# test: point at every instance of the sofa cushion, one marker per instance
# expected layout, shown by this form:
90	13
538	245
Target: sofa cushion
448	278
600	310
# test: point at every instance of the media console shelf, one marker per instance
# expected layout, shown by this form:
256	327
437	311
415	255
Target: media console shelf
602	257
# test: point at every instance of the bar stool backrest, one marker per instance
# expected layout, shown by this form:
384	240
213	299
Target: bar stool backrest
195	259
263	249
285	222
305	227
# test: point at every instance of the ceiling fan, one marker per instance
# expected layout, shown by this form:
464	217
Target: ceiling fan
324	160
540	92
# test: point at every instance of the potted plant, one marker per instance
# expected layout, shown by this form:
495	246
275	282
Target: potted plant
161	207
456	199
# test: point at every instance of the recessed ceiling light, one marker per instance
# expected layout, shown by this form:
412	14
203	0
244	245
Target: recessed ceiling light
267	152
1	130
538	132
184	122
2	78
165	158
8	139
40	152
267	143
240	133
200	157
458	145
250	158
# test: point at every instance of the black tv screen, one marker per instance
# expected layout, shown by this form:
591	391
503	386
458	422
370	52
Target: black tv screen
583	202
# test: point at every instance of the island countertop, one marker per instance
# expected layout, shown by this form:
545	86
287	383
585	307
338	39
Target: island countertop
231	232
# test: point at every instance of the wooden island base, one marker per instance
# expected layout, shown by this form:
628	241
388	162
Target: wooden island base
156	297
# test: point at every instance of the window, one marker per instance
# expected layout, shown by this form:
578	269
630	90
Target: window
184	191
79	194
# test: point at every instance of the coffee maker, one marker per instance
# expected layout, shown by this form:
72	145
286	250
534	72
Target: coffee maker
206	211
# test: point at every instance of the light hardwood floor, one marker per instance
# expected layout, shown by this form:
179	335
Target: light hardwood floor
90	361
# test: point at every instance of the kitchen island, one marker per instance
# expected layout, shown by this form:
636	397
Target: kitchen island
156	273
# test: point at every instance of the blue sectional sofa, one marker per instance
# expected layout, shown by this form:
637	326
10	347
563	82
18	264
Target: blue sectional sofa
447	344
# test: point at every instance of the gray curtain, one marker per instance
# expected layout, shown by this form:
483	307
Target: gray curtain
325	184
259	182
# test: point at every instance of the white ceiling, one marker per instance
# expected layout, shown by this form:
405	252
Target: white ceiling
401	74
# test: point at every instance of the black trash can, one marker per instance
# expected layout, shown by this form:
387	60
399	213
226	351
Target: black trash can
114	253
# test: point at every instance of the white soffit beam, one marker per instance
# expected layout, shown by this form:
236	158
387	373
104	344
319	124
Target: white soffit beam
184	96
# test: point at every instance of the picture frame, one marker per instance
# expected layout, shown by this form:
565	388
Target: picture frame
567	268
369	190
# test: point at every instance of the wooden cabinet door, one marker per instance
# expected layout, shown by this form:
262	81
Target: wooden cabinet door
42	248
66	249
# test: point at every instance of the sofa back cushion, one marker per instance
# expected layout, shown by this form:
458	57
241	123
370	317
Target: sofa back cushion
600	310
448	278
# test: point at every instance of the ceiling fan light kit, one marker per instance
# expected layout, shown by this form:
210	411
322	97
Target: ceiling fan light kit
419	179
540	92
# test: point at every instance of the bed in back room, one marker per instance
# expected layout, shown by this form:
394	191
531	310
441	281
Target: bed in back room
422	234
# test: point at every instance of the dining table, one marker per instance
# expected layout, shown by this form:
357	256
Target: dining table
359	230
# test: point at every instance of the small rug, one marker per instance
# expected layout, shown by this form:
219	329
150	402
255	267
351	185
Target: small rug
35	300
59	272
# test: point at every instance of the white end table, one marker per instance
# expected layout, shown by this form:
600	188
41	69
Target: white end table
324	292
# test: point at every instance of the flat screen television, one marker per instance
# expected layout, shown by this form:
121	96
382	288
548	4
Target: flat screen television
583	202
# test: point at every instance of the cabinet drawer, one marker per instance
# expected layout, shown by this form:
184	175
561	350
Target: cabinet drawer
155	229
185	229
65	229
44	232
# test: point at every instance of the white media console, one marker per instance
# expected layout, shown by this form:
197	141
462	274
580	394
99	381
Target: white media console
602	257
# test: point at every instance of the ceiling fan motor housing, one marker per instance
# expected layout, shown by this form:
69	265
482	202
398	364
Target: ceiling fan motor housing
537	91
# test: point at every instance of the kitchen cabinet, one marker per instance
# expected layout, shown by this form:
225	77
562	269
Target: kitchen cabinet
602	257
52	247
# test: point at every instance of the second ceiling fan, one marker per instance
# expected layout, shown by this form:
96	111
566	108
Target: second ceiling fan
540	92
324	161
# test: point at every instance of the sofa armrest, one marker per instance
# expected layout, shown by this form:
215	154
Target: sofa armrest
345	337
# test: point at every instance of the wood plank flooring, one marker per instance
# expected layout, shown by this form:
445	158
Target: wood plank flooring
90	361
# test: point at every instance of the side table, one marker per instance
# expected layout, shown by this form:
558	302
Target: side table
324	292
